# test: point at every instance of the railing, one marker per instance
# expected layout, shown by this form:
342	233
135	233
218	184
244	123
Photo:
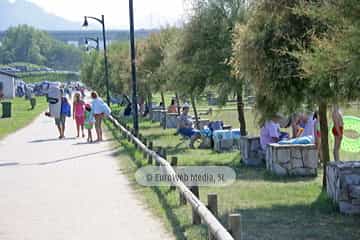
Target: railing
216	229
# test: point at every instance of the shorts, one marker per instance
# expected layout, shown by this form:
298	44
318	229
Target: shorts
60	121
89	125
188	132
80	120
336	133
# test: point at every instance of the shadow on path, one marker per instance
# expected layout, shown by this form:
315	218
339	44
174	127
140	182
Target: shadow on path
12	164
51	140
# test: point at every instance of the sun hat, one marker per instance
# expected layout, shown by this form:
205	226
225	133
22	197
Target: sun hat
186	105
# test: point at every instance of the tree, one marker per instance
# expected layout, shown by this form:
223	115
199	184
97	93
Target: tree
295	56
206	49
332	59
26	44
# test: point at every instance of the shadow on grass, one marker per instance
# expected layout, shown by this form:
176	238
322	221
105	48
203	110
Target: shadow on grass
129	149
317	221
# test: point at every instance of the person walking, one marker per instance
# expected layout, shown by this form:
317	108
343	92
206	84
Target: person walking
99	110
79	114
65	112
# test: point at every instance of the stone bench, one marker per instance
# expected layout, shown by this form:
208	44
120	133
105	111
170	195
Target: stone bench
292	159
343	185
171	120
163	118
251	151
156	117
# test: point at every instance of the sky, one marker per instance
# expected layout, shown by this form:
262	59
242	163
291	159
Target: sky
148	13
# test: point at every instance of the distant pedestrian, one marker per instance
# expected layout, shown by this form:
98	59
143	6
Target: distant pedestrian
338	131
79	114
99	109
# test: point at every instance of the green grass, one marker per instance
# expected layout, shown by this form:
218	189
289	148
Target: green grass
22	115
271	207
51	77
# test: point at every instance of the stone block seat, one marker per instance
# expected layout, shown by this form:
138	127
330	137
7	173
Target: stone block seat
155	114
251	152
163	117
171	120
292	159
343	185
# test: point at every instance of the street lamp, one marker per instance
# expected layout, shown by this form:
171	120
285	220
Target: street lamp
96	40
102	21
133	68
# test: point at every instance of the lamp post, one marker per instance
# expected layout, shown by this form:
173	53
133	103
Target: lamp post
102	21
96	40
133	68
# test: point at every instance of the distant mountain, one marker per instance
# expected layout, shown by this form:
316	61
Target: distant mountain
24	12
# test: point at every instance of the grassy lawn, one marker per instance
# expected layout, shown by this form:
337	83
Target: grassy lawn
271	207
21	115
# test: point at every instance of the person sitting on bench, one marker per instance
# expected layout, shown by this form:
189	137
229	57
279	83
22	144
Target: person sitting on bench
270	132
186	126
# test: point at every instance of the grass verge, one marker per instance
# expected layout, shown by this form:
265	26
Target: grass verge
271	207
22	115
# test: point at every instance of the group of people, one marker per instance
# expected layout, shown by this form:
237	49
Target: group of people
305	130
86	115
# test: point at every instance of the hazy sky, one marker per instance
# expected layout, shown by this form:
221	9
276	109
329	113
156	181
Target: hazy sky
148	13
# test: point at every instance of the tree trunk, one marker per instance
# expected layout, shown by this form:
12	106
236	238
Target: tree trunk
164	108
241	114
163	100
149	102
178	103
195	111
324	128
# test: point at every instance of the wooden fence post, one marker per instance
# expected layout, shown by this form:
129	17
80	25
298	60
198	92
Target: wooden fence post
151	146
164	153
173	163
182	199
196	219
133	140
145	143
235	225
213	207
159	152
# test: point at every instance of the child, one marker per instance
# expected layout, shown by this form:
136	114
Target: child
79	113
89	122
337	130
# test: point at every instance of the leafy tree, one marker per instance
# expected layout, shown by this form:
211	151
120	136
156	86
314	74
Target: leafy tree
302	56
332	59
26	44
205	49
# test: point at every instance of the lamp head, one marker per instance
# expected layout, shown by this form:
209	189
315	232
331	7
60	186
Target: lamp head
85	24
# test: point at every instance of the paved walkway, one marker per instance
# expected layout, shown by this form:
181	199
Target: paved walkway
67	190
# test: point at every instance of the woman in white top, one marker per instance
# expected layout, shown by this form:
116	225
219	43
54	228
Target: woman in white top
99	110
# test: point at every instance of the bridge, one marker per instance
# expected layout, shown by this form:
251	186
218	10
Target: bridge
78	37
